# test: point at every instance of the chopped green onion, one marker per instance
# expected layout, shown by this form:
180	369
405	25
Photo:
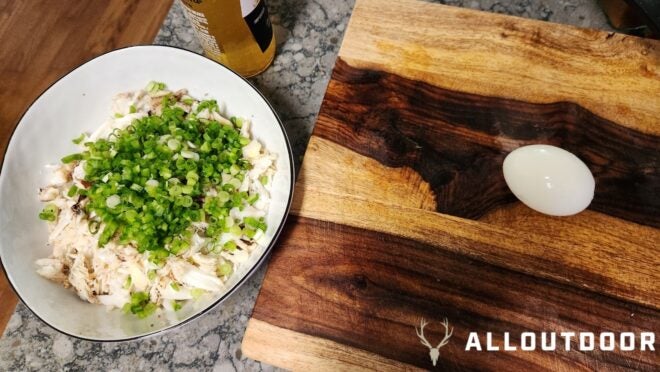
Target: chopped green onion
179	245
230	246
112	201
107	234
196	293
222	196
175	286
140	305
79	139
238	122
192	177
258	224
93	226
49	213
190	155
253	199
128	282
173	144
234	169
235	183
224	269
72	191
235	230
211	105
249	232
71	158
149	183
154	86
158	256
132	109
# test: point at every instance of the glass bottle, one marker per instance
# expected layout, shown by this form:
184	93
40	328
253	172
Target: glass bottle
236	33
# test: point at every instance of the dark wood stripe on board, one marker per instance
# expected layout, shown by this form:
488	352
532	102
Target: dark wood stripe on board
369	290
457	142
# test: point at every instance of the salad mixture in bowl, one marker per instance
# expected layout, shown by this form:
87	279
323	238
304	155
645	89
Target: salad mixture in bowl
161	204
165	205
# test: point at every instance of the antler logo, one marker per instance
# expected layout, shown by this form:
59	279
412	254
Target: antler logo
434	352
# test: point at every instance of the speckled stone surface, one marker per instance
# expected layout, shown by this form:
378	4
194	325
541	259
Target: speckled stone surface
309	33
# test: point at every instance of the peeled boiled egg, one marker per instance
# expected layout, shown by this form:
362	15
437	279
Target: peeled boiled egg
549	179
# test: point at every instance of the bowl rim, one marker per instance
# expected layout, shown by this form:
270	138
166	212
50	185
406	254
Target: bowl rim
250	272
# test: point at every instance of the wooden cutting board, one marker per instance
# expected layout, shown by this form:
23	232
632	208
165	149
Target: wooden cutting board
401	211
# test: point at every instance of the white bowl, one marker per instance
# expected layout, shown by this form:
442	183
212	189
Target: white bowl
79	102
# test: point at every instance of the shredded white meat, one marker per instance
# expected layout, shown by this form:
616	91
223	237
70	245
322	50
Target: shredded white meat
110	274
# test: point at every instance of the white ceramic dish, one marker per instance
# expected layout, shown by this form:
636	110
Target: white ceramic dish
79	102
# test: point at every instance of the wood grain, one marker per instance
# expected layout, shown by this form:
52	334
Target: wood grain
590	250
402	213
301	352
43	40
8	301
457	142
368	290
615	76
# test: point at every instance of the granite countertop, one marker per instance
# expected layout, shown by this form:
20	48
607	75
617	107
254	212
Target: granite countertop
308	34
